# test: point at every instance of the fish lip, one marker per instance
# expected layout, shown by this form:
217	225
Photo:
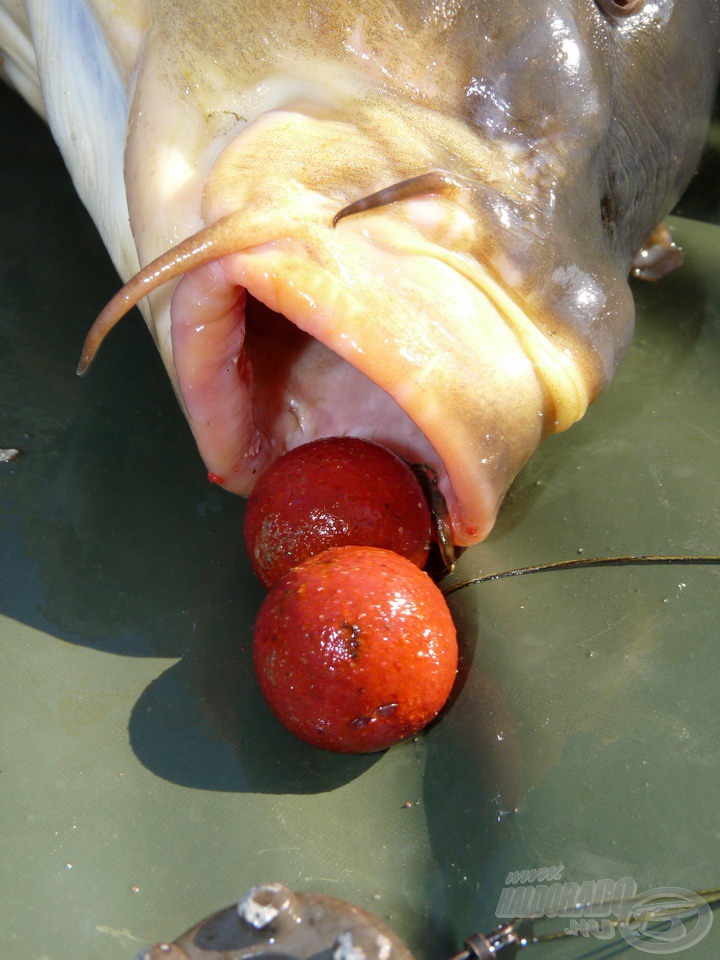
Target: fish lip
473	478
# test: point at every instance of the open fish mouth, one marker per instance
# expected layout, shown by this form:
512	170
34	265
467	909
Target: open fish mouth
285	328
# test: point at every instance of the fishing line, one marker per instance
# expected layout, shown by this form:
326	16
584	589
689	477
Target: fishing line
583	562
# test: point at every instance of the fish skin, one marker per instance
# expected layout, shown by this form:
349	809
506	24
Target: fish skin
573	132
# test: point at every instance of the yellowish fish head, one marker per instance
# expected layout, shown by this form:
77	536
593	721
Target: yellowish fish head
458	320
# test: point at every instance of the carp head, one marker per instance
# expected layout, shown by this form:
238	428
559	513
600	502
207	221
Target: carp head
411	222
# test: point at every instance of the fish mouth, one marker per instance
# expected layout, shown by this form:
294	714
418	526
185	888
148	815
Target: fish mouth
256	384
272	350
369	330
286	327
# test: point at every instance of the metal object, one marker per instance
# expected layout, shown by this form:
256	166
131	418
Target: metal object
505	939
273	921
443	551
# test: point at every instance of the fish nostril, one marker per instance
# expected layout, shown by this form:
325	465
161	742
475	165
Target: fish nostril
608	211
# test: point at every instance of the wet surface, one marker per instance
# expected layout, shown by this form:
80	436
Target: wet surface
146	784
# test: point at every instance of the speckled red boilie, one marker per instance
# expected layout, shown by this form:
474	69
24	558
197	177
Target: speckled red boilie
334	492
355	649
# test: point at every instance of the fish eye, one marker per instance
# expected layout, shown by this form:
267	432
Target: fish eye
620	8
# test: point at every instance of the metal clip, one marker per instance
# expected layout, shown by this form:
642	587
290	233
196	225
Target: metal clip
505	939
